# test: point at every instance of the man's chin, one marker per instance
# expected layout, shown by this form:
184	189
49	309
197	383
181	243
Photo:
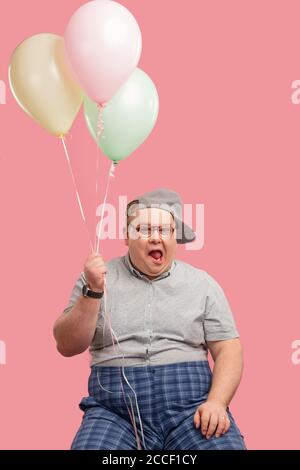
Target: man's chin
156	269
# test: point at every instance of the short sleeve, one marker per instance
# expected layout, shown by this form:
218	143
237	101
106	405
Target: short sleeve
219	323
76	293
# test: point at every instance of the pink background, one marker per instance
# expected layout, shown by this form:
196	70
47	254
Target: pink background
227	136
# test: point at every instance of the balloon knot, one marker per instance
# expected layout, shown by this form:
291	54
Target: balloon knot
113	169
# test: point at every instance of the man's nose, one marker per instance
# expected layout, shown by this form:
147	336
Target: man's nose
155	235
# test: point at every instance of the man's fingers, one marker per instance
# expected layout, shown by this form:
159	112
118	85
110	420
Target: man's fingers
100	267
205	415
227	425
213	422
97	267
221	425
97	261
197	419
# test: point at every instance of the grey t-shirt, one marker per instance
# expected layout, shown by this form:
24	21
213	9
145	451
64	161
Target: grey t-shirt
160	321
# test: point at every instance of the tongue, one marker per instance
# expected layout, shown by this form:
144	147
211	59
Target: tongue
155	254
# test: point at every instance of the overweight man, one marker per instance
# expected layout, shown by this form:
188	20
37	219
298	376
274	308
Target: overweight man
149	320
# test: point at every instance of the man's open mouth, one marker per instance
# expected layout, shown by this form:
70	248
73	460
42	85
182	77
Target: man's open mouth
156	254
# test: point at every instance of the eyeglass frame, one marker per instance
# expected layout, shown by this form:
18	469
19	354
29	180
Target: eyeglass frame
152	230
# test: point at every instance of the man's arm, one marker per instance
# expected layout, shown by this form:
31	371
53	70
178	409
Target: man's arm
228	368
227	373
75	329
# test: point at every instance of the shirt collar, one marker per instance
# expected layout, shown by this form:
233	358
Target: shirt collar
137	273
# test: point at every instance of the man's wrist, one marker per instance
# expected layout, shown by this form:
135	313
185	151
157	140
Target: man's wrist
87	291
217	400
95	288
92	287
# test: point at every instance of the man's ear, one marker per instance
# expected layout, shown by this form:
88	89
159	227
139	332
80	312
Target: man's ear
125	235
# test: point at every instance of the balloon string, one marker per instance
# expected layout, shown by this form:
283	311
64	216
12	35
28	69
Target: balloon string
111	174
100	129
100	123
131	414
76	190
97	176
107	316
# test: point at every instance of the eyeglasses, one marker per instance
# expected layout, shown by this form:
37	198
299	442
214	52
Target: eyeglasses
146	230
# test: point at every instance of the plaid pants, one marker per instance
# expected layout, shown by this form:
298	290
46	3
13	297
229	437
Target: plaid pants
167	396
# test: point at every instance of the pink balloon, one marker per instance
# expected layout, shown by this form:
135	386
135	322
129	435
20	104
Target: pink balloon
103	45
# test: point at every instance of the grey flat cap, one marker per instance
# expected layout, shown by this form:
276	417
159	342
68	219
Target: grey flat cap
170	201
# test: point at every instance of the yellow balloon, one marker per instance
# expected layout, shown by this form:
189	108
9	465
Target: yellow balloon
42	83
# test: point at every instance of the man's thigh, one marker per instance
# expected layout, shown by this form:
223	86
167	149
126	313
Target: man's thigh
102	429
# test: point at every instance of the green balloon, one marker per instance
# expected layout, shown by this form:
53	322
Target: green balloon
128	118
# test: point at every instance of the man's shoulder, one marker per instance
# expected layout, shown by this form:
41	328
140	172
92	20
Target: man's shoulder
190	269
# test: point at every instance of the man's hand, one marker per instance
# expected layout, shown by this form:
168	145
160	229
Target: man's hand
212	417
94	271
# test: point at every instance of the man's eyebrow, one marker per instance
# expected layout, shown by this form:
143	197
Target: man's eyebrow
164	224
